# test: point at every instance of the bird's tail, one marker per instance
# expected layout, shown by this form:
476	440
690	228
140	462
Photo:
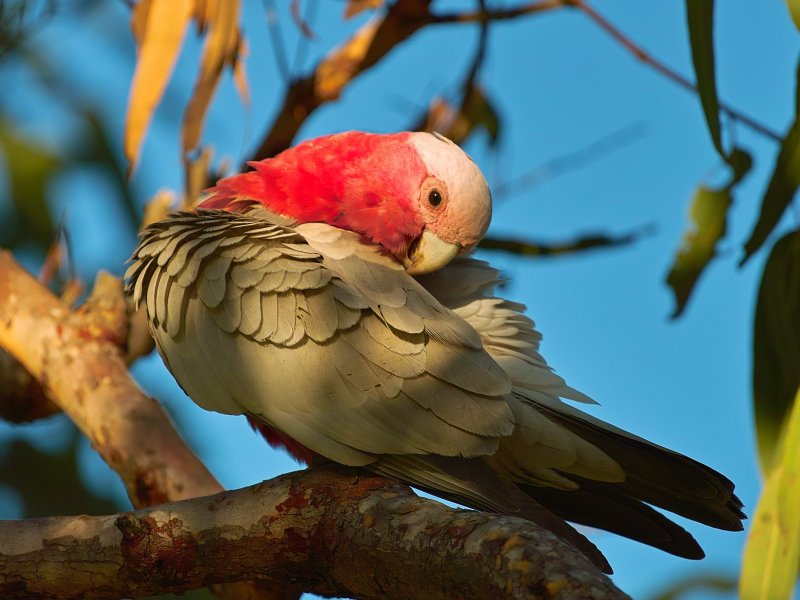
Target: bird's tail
653	475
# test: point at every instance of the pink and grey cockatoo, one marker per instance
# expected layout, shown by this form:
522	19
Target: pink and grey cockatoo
327	295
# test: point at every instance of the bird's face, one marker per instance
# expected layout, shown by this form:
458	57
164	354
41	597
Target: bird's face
453	202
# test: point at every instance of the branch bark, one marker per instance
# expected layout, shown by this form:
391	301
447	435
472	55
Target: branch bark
77	358
328	529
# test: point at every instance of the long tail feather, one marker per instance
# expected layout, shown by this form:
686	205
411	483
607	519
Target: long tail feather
657	475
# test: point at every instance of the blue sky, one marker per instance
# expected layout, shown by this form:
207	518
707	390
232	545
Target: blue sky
559	83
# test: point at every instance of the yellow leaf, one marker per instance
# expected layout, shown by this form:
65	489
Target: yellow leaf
204	13
221	48
160	27
158	207
355	7
769	568
240	75
139	20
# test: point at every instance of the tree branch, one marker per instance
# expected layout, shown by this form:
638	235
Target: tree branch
77	359
663	69
327	529
364	49
500	14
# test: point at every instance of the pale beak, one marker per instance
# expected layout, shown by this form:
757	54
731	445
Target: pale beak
428	253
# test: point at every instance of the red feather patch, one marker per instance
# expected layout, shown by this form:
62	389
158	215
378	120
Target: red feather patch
363	182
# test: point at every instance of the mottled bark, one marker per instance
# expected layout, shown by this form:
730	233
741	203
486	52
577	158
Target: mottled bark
77	359
327	529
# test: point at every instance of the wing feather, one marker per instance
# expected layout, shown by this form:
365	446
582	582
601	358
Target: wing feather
317	333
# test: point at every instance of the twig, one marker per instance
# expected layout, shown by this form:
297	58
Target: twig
276	38
503	14
365	48
580	244
327	529
641	54
303	43
570	161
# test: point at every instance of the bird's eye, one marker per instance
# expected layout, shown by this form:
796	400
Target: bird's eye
434	198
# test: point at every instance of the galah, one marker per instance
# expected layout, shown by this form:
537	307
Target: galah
328	295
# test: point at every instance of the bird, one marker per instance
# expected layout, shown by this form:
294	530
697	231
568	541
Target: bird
329	294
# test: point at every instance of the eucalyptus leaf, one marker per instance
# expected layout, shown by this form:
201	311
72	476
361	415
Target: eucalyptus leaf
794	11
30	167
700	18
708	216
782	187
776	344
769	566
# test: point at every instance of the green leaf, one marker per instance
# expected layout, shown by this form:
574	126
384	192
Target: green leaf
708	220
783	184
30	167
794	11
700	18
776	344
769	567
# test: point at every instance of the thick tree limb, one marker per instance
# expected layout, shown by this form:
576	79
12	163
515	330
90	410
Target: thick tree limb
327	529
77	359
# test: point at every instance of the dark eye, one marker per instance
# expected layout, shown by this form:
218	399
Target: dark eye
434	198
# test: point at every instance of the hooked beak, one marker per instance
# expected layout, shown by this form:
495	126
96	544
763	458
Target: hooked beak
428	253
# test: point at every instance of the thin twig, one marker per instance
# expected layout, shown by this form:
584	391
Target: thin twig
502	14
304	42
273	23
641	54
573	160
302	24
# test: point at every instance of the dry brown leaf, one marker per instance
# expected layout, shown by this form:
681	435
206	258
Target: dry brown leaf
355	7
240	75
441	117
158	207
221	48
160	26
139	20
203	13
344	62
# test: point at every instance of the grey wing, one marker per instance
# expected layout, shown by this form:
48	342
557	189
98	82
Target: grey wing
541	451
581	468
318	334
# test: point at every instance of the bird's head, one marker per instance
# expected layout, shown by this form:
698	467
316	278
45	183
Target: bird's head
417	194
